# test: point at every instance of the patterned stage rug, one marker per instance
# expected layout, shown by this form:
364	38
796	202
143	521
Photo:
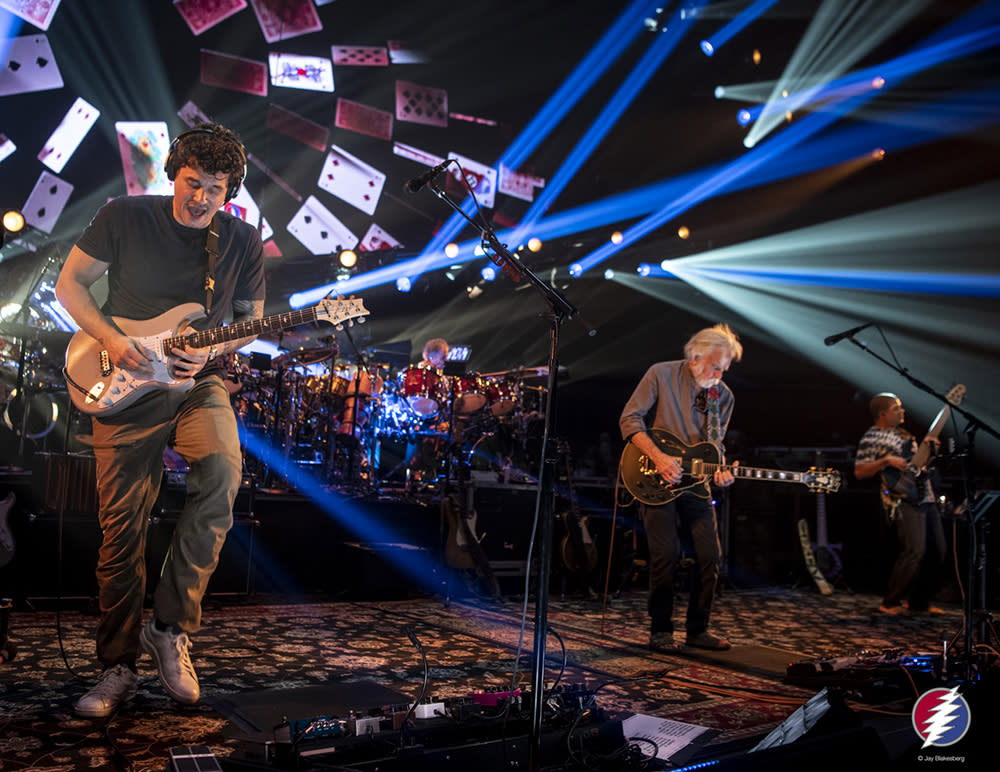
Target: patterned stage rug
470	644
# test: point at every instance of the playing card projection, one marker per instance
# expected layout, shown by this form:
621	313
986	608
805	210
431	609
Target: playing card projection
7	147
37	12
400	52
421	104
518	185
284	19
481	179
233	72
68	134
377	238
360	56
143	147
29	66
351	179
244	206
319	230
416	154
363	119
298	127
192	115
201	15
46	202
310	73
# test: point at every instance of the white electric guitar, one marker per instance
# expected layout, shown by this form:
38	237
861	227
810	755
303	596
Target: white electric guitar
99	388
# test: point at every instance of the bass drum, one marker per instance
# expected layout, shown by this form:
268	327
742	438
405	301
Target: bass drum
423	389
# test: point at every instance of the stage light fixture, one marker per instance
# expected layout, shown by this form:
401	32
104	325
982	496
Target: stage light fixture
348	258
534	244
609	274
616	237
488	272
403	284
707	48
878	153
756	56
12	222
720	91
576	270
743	116
683	232
644	269
878	82
451	250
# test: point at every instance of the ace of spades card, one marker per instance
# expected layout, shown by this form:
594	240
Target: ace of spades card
319	230
351	179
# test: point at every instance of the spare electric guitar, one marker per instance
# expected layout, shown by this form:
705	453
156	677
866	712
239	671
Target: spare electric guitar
822	558
698	465
6	537
904	484
578	550
99	388
463	550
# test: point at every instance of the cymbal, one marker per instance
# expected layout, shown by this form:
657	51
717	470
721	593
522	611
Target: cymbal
49	338
312	356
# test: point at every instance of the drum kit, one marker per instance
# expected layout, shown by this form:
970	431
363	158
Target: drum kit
379	427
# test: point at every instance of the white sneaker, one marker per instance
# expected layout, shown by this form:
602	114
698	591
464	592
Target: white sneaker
170	652
114	686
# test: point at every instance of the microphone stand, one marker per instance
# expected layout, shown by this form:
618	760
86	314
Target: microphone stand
560	308
977	523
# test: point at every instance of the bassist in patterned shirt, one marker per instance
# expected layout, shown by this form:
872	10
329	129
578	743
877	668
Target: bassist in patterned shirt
885	447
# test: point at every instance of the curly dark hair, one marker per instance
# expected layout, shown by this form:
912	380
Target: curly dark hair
213	148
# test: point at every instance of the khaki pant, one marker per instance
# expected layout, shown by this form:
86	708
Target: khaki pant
201	426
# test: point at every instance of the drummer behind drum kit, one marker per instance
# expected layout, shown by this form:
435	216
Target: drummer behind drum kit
374	426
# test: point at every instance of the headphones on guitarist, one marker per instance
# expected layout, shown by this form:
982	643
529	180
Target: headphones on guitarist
173	164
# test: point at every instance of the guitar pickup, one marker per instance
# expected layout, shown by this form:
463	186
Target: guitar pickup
105	364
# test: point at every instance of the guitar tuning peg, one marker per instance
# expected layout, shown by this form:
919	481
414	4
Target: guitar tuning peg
350	323
339	328
361	320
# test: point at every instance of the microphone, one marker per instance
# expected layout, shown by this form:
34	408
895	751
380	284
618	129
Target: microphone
829	341
412	186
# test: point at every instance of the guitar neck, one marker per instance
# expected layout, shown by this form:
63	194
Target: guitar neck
740	472
247	329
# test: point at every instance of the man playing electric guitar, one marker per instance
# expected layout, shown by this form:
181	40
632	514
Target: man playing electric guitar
886	446
160	252
688	399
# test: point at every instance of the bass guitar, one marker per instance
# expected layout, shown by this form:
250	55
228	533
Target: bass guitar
99	388
698	464
904	484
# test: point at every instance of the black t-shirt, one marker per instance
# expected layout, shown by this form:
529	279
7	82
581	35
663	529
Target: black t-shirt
155	263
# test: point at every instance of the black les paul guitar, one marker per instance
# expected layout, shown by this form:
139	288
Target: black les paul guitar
699	463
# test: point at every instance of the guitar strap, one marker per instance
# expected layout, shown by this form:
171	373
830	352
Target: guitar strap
713	429
212	248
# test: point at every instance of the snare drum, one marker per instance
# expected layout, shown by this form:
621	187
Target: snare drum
421	388
467	393
501	394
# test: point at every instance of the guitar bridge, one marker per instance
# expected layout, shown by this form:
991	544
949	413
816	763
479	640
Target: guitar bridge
105	364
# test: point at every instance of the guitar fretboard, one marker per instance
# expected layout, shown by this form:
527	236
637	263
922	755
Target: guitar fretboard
249	328
700	468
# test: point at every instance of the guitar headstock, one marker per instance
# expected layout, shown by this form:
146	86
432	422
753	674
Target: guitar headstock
336	311
822	480
955	395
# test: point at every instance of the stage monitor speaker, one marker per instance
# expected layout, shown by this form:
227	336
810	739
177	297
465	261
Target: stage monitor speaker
813	738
